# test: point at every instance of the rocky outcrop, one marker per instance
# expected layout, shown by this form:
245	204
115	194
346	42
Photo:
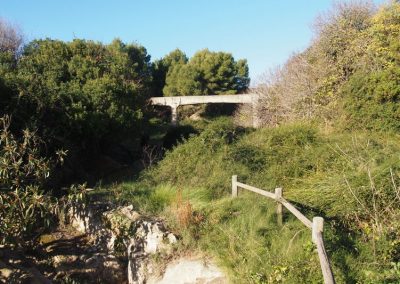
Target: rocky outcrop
101	243
17	273
124	234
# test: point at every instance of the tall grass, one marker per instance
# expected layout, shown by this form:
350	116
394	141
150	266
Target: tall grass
351	179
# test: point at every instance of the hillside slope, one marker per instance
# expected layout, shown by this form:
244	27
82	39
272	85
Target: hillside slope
351	179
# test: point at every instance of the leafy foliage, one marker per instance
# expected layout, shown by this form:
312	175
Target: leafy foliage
162	66
83	90
384	36
82	96
372	95
207	73
24	208
372	101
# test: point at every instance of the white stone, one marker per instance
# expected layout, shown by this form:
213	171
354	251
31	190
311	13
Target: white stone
188	271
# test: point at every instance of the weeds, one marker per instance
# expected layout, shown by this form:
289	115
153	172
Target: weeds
350	179
183	210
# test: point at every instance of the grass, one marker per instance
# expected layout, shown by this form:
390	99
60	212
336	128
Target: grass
241	234
351	179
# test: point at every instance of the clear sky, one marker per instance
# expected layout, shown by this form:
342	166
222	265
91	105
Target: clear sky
265	32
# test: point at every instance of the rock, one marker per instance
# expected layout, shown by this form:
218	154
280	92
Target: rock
59	260
124	232
140	238
93	261
47	238
5	273
120	219
190	271
20	274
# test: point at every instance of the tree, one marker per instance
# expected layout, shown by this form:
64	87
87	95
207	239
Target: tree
11	37
183	80
309	84
11	40
383	38
372	95
82	96
207	73
161	67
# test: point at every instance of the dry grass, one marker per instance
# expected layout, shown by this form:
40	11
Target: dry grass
183	210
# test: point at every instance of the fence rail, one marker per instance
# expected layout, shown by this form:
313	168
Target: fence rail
316	225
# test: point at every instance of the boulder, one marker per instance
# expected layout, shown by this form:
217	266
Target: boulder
123	232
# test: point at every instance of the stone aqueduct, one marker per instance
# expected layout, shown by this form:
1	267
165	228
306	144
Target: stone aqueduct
175	102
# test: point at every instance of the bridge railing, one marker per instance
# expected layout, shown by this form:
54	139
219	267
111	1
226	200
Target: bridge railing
316	225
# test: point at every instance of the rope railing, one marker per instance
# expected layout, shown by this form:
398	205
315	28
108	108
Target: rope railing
316	225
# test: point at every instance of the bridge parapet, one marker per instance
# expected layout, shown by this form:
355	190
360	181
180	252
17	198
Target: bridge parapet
192	100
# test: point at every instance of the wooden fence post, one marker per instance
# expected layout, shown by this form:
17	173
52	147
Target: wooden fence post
234	186
317	229
279	208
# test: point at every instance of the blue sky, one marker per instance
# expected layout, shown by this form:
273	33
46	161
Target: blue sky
265	32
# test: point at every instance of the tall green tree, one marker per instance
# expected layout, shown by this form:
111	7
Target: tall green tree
161	67
207	73
81	94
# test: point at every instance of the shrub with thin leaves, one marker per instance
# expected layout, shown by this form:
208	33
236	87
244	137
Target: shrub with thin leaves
25	209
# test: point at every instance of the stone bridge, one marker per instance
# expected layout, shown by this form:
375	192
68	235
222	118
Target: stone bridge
175	102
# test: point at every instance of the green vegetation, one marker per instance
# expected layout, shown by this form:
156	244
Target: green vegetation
350	179
331	141
373	94
206	73
24	209
80	90
347	76
84	99
163	65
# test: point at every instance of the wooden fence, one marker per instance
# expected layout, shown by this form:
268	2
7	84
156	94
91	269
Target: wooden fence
317	224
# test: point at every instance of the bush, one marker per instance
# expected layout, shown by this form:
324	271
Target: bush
199	158
83	96
25	209
372	101
177	135
85	91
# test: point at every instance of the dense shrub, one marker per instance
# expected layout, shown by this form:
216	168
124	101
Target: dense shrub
308	84
372	101
25	209
178	135
82	96
83	90
372	95
179	165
